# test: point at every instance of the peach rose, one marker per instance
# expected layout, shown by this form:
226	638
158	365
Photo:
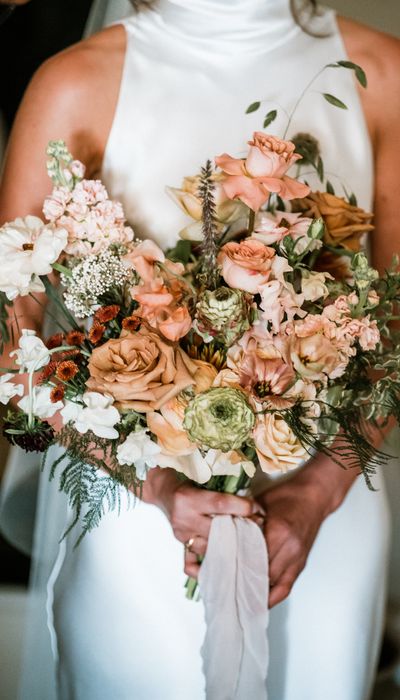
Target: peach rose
143	258
344	222
252	179
246	265
174	323
277	447
140	370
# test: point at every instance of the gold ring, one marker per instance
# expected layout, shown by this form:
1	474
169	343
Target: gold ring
189	544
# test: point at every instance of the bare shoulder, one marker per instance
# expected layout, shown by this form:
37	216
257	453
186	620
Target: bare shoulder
75	92
379	55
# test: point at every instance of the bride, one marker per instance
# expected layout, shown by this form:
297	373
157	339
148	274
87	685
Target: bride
144	103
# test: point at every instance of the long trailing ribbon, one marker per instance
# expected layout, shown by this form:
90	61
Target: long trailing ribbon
234	587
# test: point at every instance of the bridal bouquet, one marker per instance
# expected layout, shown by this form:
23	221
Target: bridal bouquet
261	338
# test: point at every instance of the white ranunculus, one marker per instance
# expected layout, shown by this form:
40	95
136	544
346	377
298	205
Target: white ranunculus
28	247
99	416
313	285
32	353
9	389
140	451
42	406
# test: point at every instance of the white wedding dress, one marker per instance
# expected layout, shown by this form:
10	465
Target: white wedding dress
109	620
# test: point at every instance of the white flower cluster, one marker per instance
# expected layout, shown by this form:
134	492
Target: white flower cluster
91	279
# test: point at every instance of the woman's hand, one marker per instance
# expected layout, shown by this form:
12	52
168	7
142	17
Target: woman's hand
295	511
190	510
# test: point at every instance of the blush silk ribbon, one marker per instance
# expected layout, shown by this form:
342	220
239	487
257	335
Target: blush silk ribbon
234	587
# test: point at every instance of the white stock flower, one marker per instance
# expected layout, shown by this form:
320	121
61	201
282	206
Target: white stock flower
32	353
228	463
42	406
71	410
28	247
9	389
140	451
200	468
99	416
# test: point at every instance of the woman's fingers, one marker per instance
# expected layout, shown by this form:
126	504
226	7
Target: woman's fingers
282	588
192	566
225	504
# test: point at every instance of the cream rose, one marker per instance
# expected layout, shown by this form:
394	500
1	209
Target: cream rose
277	447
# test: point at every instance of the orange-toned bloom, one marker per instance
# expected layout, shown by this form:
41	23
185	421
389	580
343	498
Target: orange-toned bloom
57	394
107	313
67	370
55	341
75	338
131	323
47	372
96	333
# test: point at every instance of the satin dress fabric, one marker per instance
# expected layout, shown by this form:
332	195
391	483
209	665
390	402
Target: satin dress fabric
110	619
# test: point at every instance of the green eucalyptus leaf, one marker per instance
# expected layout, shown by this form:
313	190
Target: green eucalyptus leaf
359	72
329	187
253	107
320	168
334	100
270	117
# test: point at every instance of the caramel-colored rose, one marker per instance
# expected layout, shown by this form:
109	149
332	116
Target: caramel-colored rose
344	222
141	371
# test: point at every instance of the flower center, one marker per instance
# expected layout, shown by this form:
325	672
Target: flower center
261	389
27	246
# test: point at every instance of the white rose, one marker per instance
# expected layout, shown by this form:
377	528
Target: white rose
140	451
42	406
28	247
278	449
99	416
32	353
9	389
313	285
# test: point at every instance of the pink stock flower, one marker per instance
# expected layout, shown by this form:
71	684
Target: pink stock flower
252	179
246	265
271	229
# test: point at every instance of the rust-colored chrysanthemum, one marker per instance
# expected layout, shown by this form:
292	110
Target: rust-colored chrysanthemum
131	323
67	370
47	372
75	337
57	394
55	341
107	313
96	333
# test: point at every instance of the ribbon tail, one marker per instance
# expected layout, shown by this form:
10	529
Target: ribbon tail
234	587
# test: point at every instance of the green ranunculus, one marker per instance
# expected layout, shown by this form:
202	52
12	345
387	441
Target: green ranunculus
223	314
219	418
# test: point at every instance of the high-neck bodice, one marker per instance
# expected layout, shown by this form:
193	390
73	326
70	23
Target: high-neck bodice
229	26
191	69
